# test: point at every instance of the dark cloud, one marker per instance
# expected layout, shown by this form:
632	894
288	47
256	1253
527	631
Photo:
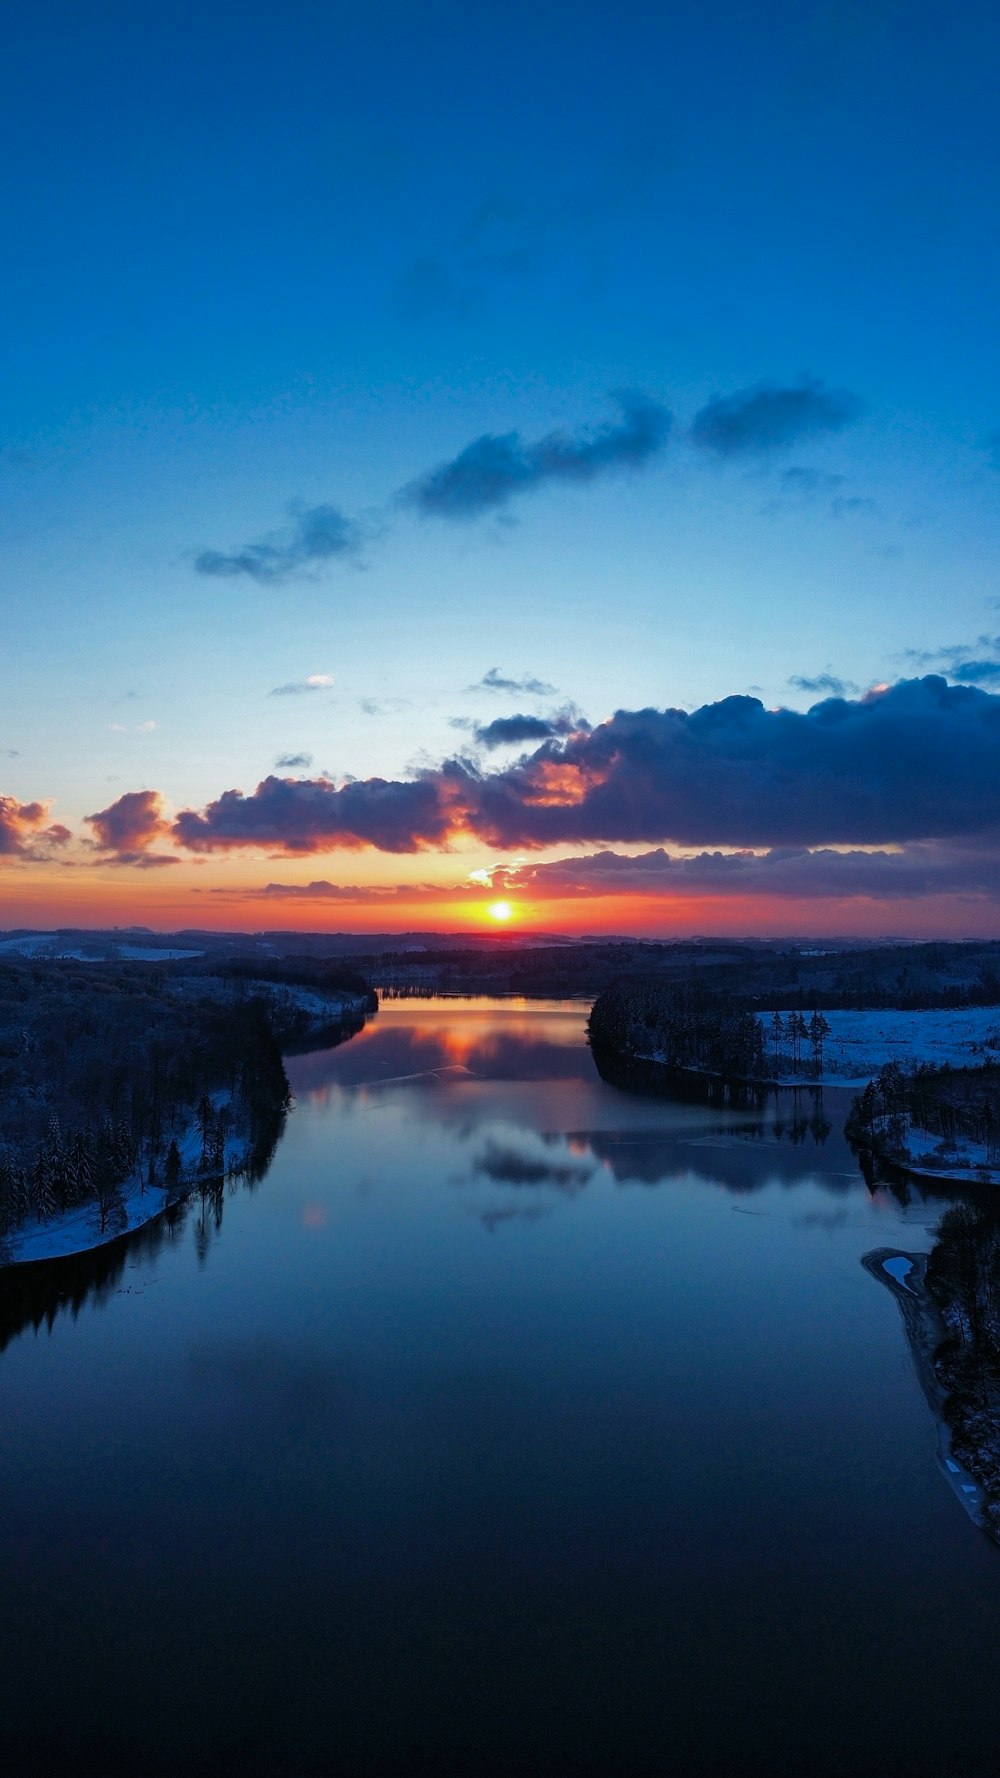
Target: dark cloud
976	663
826	683
917	760
504	731
494	680
317	536
323	890
792	873
292	760
783	872
127	829
976	672
312	815
495	468
771	417
914	761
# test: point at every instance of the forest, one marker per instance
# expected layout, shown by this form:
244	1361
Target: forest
794	977
118	1077
689	1025
948	1115
963	1278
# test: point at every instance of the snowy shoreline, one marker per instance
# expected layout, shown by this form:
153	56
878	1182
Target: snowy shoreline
925	1329
79	1230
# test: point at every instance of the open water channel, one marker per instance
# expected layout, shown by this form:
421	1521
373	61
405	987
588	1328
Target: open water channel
513	1424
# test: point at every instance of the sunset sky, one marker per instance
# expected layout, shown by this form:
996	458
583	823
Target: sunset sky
456	455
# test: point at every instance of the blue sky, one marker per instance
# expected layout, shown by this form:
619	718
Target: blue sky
265	260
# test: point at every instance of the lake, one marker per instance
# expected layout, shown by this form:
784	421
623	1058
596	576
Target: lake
512	1424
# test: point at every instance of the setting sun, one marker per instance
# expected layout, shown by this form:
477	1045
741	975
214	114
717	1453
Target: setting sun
500	910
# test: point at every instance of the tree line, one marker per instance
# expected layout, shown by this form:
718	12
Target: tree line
949	1105
963	1278
108	1073
689	1026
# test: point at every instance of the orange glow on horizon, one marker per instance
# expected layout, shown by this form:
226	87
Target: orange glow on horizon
190	898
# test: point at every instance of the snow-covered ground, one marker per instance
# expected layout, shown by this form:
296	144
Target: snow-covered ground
77	1231
27	946
153	953
860	1043
48	944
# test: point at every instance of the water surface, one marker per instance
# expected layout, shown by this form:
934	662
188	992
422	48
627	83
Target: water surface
512	1424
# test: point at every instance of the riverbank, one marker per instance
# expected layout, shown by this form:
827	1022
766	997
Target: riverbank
191	1089
904	1275
137	1202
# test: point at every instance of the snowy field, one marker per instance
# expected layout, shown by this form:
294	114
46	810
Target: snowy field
860	1043
48	944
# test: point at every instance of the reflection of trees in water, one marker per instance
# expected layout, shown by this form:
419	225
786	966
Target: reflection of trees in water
684	1086
35	1295
799	1114
737	1160
738	1156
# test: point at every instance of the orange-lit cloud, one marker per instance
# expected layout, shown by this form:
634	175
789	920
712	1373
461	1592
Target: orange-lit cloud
23	830
868	807
128	827
918	761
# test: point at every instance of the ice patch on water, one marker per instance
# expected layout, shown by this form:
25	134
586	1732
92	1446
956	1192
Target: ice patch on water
898	1268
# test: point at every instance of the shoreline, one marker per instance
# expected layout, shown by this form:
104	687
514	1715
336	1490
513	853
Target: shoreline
962	1175
771	1082
925	1329
74	1233
48	1240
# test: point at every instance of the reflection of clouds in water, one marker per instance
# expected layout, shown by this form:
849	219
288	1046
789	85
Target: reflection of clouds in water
507	1086
509	1165
429	1055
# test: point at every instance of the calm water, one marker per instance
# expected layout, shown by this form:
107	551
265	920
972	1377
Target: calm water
512	1425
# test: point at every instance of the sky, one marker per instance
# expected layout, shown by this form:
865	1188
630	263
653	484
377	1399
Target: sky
461	458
